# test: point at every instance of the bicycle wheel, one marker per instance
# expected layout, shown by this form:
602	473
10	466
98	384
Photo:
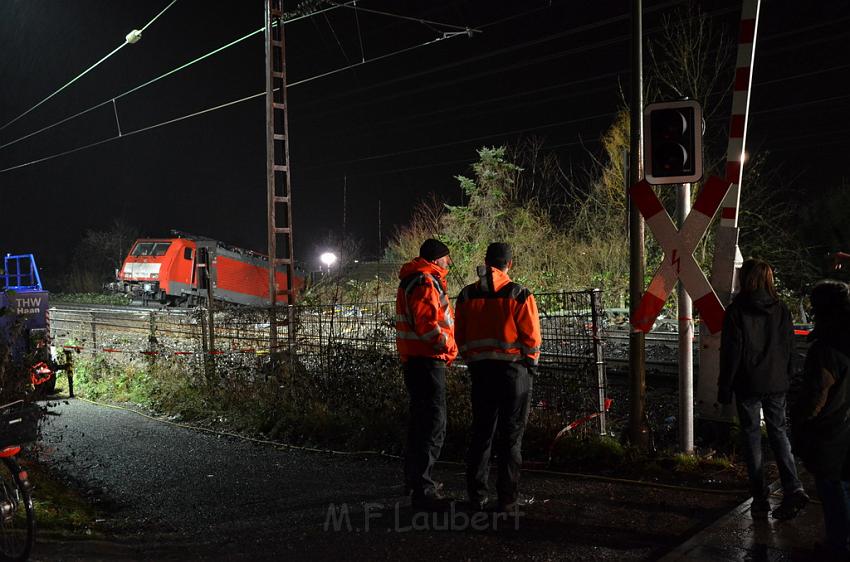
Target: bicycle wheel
17	517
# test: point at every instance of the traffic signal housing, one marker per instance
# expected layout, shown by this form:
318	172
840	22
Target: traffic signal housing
672	142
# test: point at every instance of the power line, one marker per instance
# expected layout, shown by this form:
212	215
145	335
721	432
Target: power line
548	125
356	8
136	88
209	54
531	43
366	61
465	115
546	58
134	132
165	75
132	37
463	141
325	74
445	163
501	69
468	115
798	105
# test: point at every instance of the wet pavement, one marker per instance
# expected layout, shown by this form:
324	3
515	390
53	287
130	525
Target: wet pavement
179	494
738	537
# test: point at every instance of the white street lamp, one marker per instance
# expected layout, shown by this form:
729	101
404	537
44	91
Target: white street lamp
328	258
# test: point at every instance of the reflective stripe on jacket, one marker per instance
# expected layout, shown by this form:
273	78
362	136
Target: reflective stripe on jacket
424	320
497	319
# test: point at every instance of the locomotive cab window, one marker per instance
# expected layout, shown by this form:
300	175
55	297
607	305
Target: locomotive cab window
143	249
187	253
160	248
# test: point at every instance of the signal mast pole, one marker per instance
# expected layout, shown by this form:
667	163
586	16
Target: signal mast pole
279	188
638	433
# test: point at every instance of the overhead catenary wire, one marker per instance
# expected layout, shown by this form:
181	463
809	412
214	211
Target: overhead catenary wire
373	59
111	100
359	35
136	88
210	54
463	141
537	100
526	62
409	18
134	132
499	52
375	157
127	41
162	76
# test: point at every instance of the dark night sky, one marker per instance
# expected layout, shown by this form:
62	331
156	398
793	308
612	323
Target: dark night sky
396	128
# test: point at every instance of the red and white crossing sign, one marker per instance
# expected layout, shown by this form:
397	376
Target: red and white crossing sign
678	246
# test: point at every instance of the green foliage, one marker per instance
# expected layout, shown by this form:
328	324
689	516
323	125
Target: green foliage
588	452
90	298
494	212
301	406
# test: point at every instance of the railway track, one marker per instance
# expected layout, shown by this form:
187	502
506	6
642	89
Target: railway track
661	347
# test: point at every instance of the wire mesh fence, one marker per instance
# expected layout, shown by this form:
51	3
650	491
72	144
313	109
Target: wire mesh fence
347	351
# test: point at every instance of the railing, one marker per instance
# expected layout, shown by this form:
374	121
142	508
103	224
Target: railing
340	346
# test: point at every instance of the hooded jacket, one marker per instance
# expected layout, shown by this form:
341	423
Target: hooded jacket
820	430
498	319
755	347
424	319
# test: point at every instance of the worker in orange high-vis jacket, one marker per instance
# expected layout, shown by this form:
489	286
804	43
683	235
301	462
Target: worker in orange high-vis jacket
426	343
498	334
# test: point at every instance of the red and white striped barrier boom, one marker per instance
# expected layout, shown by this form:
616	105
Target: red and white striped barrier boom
726	253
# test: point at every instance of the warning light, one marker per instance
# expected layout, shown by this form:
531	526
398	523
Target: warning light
672	142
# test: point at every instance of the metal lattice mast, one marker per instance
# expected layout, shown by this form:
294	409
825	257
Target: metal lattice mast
280	231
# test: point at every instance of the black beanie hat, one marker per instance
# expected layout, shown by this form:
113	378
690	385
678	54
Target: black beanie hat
498	255
432	250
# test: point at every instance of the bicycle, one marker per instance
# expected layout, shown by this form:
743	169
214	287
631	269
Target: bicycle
18	424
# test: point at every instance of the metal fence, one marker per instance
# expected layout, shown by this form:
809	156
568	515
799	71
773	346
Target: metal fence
340	346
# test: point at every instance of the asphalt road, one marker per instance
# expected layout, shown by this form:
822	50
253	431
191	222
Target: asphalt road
177	494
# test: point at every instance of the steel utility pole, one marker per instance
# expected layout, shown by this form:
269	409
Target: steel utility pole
637	260
686	341
278	184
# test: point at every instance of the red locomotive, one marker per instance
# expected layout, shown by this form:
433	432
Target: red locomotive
178	271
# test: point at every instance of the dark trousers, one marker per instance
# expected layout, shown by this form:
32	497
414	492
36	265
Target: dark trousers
425	379
835	497
773	406
501	396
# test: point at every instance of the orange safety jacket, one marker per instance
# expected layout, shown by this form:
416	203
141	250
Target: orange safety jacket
497	319
424	320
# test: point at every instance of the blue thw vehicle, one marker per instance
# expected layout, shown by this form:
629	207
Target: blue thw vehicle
23	318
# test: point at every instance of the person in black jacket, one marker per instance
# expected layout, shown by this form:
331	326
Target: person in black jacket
755	367
821	430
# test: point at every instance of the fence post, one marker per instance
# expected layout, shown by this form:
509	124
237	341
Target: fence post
377	326
152	336
204	351
599	361
93	334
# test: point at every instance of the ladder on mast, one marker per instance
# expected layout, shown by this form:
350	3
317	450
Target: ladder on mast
278	182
